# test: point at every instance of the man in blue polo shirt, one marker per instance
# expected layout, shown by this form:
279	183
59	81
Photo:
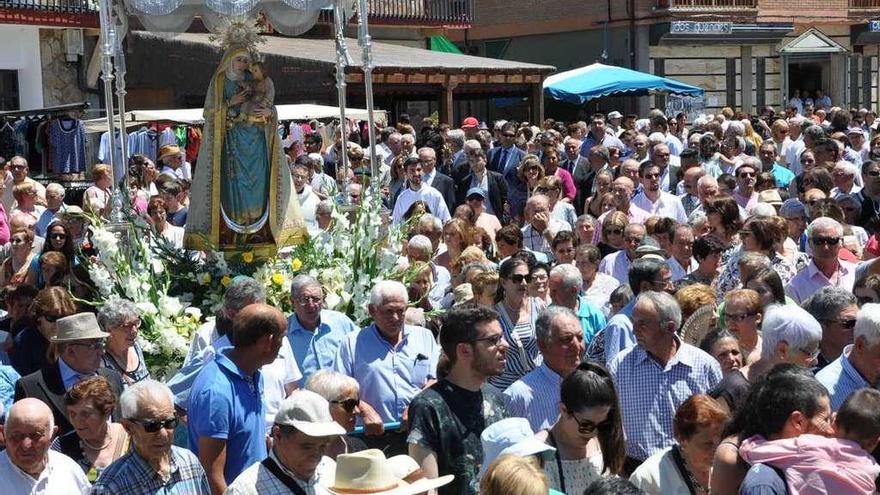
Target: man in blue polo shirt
226	426
391	361
314	333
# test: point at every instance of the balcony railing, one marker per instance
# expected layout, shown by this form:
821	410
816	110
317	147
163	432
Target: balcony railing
864	4
446	13
713	5
53	6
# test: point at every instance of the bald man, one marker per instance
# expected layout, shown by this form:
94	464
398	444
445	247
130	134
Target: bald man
622	188
227	430
27	461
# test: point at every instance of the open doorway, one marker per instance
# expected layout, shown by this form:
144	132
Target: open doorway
808	75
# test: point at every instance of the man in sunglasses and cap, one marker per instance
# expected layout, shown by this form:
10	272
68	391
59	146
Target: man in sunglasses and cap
153	465
80	343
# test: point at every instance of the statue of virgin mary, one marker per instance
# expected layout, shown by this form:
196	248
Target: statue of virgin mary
242	196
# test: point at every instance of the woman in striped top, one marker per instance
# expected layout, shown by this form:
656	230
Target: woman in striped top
518	313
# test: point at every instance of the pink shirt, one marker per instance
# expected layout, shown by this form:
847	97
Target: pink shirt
816	465
489	223
635	215
744	202
811	279
568	188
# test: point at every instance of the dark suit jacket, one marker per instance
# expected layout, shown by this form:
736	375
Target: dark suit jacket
46	385
583	177
446	186
497	191
514	156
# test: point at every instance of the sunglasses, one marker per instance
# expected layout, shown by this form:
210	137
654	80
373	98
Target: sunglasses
492	341
154	425
848	324
874	173
347	404
587	427
519	278
738	317
93	346
614	232
57	236
826	241
746	175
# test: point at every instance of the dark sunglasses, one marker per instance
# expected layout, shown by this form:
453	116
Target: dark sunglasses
347	404
154	425
874	173
848	324
57	236
519	278
492	341
614	232
746	175
827	241
52	319
587	427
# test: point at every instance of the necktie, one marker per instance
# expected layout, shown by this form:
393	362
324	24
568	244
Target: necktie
503	160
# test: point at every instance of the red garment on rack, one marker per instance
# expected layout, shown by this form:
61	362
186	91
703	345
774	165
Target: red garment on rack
193	141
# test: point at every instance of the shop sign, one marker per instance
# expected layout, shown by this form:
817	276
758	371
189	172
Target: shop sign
874	26
699	27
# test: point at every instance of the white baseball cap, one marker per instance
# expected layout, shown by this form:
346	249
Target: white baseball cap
309	413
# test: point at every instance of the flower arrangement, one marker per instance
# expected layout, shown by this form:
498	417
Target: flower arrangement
177	291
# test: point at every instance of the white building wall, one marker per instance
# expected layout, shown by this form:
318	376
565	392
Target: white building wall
21	51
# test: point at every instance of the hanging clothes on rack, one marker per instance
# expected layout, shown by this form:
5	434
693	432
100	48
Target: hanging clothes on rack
7	140
67	146
104	153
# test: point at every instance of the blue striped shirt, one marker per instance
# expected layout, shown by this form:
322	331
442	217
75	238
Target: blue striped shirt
650	393
535	397
841	378
132	475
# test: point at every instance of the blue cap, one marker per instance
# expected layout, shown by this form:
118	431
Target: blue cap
510	436
476	190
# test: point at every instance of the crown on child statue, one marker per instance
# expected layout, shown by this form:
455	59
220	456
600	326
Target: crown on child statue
239	32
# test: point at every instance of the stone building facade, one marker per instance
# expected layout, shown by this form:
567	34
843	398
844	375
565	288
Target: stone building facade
744	53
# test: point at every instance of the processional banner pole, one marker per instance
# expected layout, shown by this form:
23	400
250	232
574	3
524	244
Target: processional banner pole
365	41
108	44
342	61
119	63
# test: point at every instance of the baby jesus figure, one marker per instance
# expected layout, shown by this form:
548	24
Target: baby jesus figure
260	95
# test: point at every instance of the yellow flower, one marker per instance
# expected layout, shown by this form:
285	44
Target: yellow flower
247	257
296	264
205	278
277	278
226	280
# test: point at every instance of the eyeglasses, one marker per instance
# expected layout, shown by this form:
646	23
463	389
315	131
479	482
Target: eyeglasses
92	346
131	324
848	324
826	241
746	175
57	236
745	233
874	173
738	317
154	425
811	353
587	427
614	232
347	404
492	341
309	299
519	278
15	242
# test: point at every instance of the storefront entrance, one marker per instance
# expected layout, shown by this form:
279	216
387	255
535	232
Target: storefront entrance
814	61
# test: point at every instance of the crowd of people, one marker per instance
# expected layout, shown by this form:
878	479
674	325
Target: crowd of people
630	305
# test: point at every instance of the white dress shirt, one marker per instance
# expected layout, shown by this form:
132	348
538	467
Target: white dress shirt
61	476
667	205
429	195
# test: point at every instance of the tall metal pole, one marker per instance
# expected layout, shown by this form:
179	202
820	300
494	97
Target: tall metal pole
108	43
119	62
365	41
342	61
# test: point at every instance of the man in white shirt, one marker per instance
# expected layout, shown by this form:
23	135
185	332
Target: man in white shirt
540	229
417	191
308	200
681	261
27	465
18	167
653	199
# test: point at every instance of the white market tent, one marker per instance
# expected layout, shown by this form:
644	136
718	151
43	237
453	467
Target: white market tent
306	111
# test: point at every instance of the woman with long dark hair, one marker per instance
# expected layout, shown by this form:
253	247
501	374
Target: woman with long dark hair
58	238
517	313
588	437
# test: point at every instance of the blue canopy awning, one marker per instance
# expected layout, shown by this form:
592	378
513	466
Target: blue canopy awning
597	80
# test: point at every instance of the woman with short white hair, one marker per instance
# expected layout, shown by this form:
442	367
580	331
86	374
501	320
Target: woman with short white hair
790	335
342	392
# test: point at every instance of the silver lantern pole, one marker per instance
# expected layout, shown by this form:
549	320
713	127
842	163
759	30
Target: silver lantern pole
365	42
119	63
343	59
107	47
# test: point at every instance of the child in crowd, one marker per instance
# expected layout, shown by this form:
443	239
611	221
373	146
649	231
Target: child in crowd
815	465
